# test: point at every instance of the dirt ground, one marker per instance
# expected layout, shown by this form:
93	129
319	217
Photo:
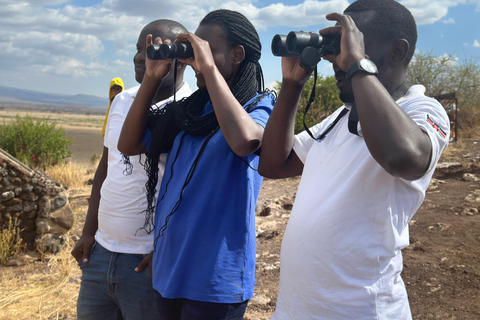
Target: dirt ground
442	263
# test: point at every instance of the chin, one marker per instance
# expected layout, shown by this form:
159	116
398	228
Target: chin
347	97
201	84
139	77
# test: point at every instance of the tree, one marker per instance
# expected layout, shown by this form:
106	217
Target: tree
326	101
447	74
37	143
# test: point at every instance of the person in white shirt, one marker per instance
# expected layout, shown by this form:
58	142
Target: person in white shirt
361	184
114	248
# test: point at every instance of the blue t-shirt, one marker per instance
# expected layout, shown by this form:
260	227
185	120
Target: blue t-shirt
207	252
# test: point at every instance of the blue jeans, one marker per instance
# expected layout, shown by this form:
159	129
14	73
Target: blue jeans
184	309
111	289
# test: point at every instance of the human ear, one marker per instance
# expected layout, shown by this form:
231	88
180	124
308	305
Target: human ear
399	51
238	54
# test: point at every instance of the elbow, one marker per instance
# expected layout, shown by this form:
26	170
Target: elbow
127	150
407	166
246	148
268	171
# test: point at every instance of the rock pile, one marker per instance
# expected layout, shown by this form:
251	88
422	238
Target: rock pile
38	205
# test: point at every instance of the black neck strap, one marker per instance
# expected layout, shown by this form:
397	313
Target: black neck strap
353	116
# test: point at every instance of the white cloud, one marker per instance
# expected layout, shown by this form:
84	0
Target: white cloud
53	37
449	21
476	44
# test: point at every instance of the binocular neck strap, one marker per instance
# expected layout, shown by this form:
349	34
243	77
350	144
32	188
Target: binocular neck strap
310	101
175	80
353	116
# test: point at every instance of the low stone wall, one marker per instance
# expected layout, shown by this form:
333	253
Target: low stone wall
38	204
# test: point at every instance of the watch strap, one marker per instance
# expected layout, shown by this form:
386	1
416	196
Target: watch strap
357	66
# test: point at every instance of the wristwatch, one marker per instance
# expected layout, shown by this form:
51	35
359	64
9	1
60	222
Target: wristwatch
363	65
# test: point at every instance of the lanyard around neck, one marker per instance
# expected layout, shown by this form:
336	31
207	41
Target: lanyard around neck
352	117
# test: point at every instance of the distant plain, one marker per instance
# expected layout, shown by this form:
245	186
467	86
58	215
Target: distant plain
84	129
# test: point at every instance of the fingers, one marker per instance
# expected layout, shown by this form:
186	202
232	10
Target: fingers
145	262
86	255
330	58
76	253
342	18
149	40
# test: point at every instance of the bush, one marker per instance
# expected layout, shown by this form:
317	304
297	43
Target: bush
37	143
327	100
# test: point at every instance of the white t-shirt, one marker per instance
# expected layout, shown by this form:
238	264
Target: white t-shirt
341	254
123	197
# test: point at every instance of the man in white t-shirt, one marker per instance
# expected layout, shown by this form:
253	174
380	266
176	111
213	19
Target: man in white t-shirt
362	179
114	247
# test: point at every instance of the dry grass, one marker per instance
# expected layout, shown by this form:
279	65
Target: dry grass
47	289
70	175
47	286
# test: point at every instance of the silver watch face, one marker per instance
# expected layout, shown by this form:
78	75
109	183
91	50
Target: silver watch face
368	66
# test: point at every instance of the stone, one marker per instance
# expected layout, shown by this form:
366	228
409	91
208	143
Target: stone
26	178
63	217
15	208
266	211
27	188
29	206
16	181
29	197
44	207
470	177
51	242
43	226
7	196
469	211
18	191
59	201
13	202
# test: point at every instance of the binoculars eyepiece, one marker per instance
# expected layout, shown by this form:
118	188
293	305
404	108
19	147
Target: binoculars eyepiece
166	51
309	47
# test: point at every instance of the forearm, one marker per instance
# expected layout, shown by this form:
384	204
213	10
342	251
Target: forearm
134	127
242	133
278	160
395	141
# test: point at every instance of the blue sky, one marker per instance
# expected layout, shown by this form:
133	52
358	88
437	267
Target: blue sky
78	46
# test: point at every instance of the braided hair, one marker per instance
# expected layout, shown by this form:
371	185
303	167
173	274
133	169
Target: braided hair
185	115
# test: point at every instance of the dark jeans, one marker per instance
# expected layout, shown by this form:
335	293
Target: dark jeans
184	309
112	290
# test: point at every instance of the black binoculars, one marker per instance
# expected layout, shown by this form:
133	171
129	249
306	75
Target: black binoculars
309	47
166	51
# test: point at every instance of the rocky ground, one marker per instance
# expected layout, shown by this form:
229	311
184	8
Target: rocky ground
442	263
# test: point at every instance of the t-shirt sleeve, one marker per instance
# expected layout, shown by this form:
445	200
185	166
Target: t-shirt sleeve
116	117
431	117
303	142
262	110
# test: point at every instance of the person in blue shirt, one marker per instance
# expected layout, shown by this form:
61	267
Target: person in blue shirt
204	258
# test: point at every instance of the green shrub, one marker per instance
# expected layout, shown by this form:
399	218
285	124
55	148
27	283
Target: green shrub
37	143
327	100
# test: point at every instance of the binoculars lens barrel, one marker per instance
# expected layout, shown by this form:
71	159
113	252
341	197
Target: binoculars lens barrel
297	41
279	46
153	52
166	51
309	47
